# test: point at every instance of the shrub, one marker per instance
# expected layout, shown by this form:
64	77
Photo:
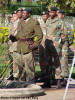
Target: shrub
3	34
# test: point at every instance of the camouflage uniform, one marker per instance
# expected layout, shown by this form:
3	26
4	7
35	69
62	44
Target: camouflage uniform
65	45
28	34
56	37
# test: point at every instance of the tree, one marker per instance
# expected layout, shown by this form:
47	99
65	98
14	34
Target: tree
67	5
9	2
3	4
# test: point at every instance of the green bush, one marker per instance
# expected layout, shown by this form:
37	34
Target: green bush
3	34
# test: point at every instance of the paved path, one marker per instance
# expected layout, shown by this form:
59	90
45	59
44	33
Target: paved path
52	94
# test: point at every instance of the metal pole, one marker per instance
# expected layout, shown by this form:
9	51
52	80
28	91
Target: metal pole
66	90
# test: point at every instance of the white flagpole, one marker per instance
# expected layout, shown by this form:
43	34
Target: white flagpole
66	90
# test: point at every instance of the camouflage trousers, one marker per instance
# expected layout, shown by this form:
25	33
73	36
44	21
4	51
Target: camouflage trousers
64	61
23	68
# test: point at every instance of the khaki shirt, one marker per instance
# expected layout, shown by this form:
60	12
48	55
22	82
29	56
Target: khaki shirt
28	30
13	30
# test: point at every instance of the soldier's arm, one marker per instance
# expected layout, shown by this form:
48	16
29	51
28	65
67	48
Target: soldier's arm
70	35
66	34
14	38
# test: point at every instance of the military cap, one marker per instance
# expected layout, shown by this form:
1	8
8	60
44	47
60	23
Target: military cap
19	9
53	9
45	13
29	10
61	11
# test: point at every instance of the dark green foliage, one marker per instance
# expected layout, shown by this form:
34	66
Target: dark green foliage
36	9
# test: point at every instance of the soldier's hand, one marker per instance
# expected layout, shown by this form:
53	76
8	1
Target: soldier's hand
32	46
72	48
12	38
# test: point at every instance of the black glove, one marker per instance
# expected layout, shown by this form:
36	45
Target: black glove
12	38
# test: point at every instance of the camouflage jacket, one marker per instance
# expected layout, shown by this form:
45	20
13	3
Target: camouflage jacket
57	31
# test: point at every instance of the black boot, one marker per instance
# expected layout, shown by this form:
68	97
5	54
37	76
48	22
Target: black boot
63	83
10	78
47	83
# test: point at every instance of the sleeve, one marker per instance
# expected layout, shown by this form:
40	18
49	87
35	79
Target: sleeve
70	35
18	30
66	34
63	33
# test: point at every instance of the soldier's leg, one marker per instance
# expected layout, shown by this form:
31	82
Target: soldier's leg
64	61
17	66
57	71
11	67
11	63
64	64
29	69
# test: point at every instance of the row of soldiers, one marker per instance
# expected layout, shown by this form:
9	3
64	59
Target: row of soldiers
50	35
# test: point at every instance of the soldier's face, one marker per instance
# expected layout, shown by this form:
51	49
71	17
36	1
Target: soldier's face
25	15
15	17
61	16
11	19
52	14
44	17
19	13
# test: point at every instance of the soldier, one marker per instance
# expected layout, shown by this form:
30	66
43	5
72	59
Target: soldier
13	45
68	41
19	13
60	14
56	37
29	36
42	56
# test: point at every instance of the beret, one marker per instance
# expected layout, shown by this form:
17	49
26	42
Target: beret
61	11
29	10
53	9
19	9
45	13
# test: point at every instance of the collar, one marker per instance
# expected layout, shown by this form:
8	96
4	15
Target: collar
54	20
26	20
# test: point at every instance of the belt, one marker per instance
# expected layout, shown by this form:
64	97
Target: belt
23	40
